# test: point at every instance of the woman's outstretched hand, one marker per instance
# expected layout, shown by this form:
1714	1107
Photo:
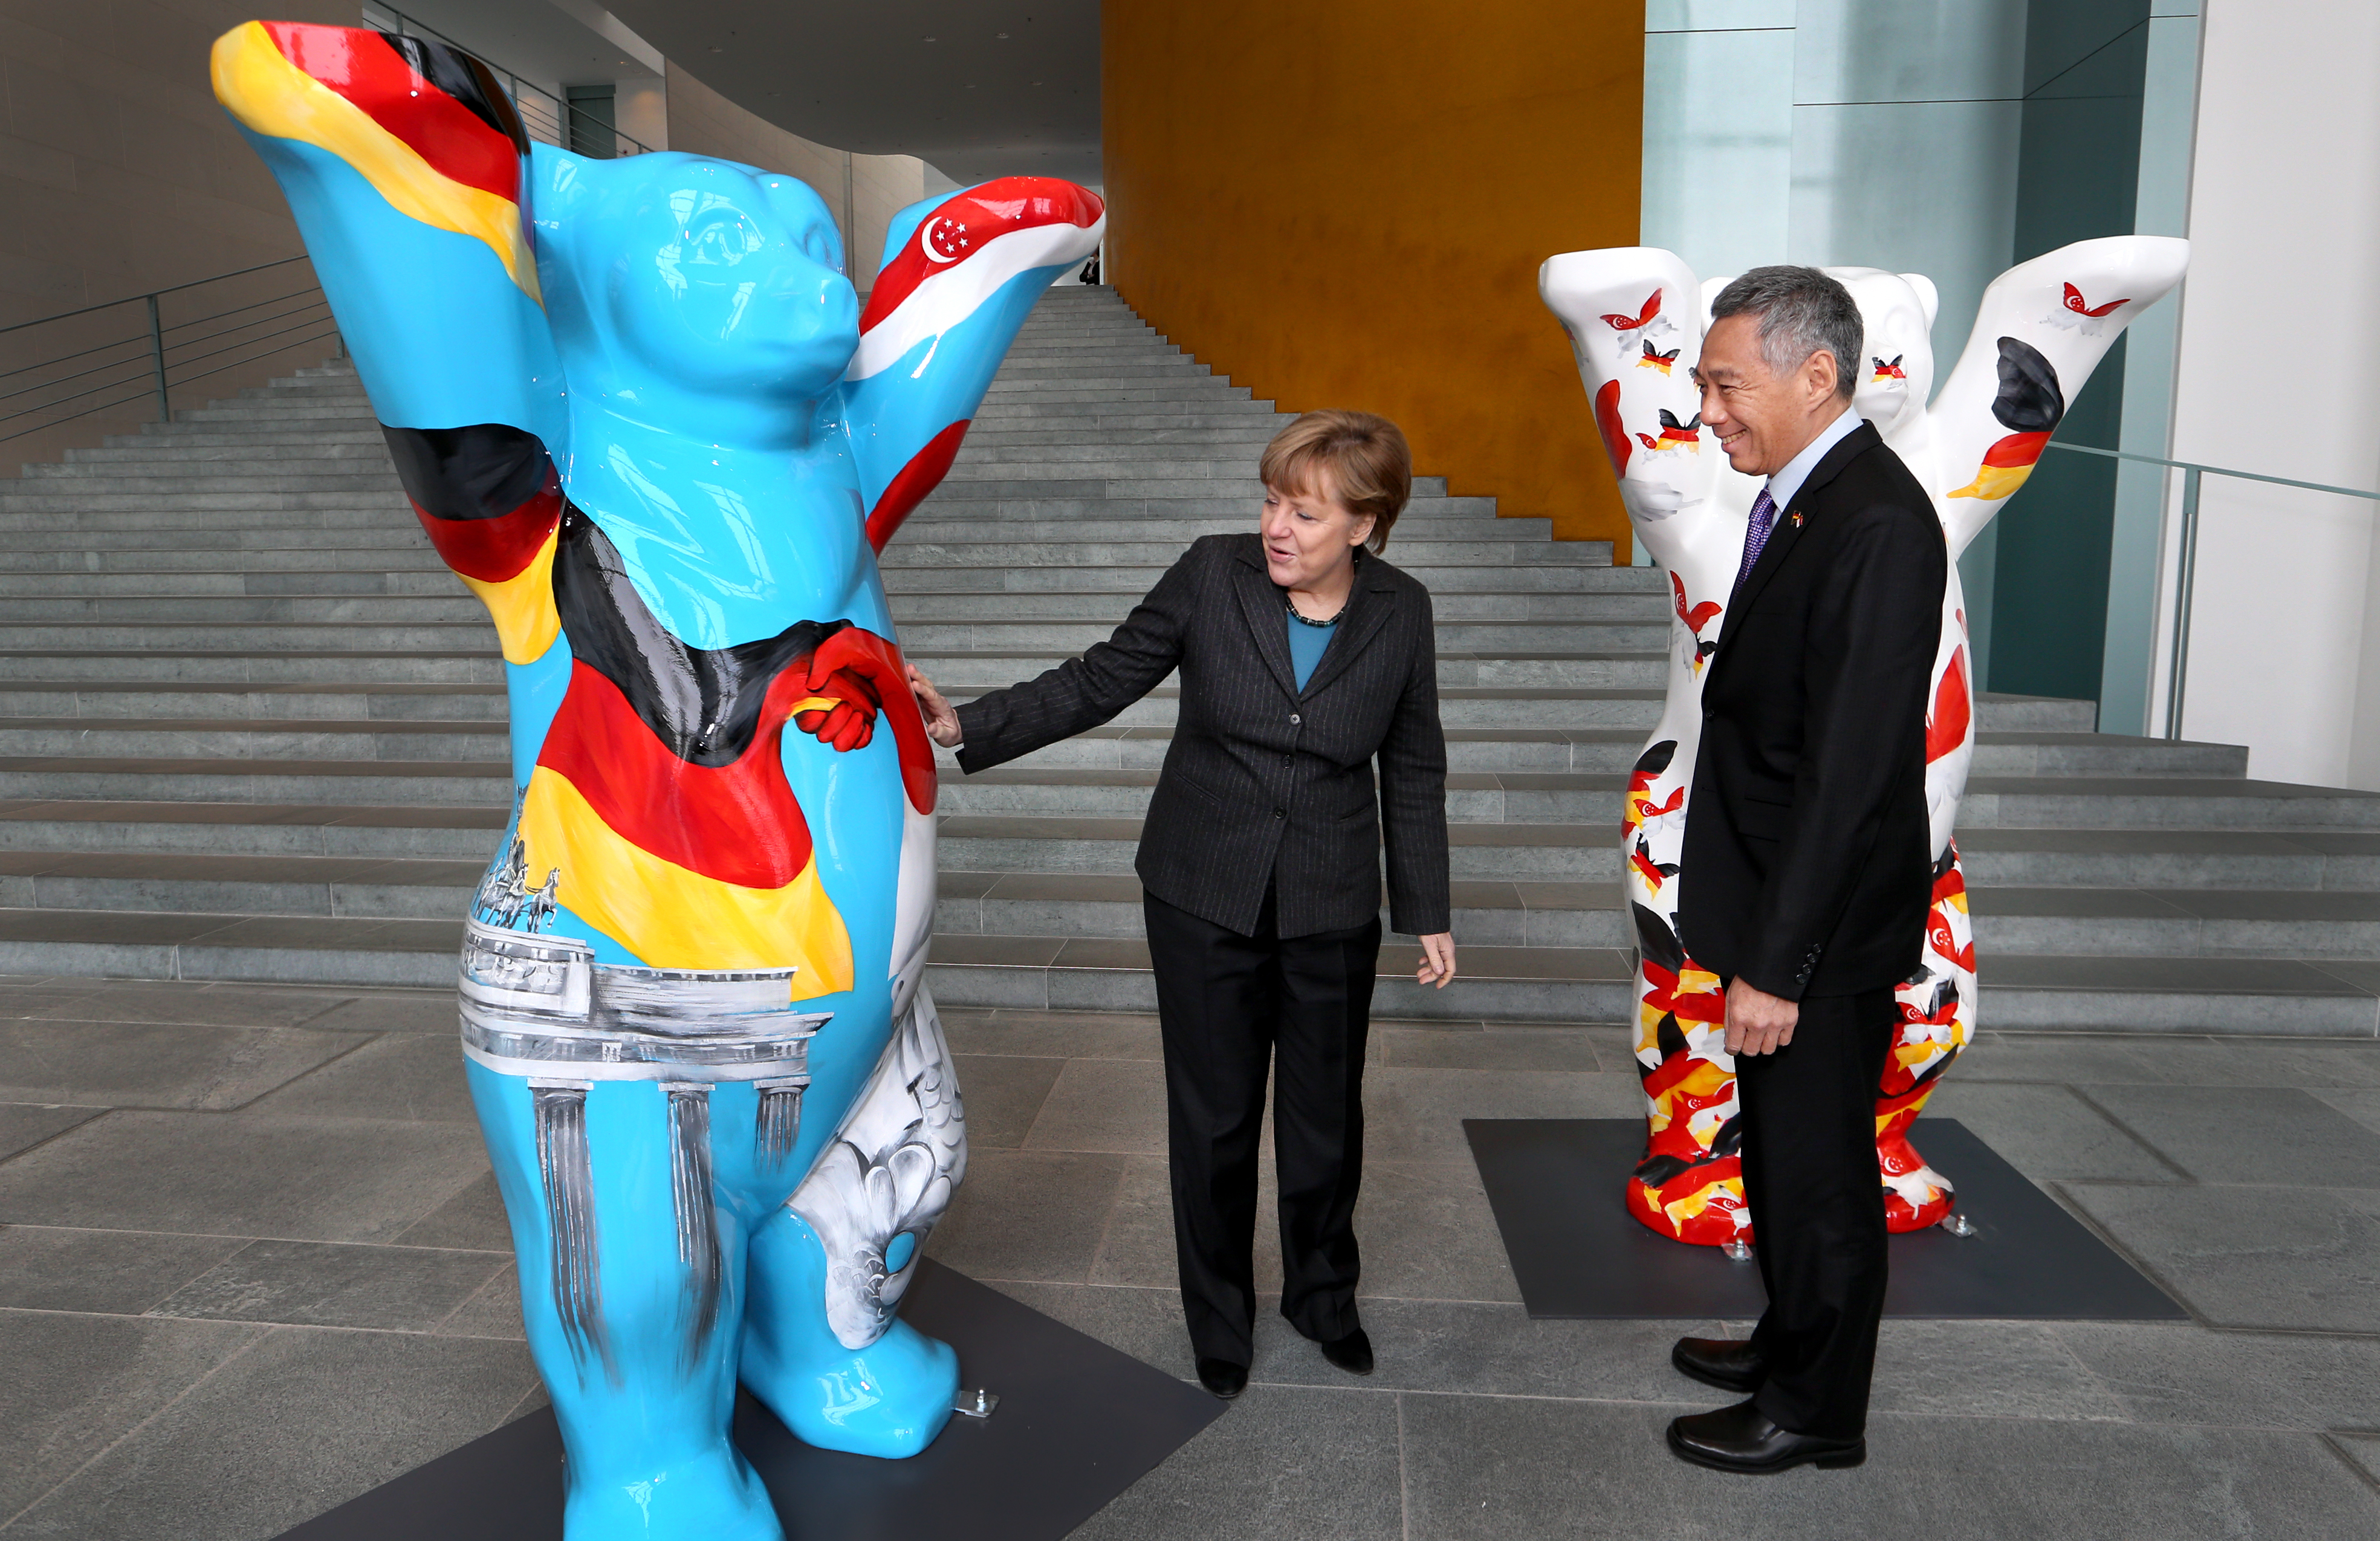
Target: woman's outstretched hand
1437	959
942	723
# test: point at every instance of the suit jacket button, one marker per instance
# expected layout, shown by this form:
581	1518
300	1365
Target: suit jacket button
1277	813
1294	719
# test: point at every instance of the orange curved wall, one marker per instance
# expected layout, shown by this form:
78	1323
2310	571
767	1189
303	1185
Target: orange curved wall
1343	203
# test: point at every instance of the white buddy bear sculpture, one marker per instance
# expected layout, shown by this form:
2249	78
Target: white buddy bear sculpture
1635	316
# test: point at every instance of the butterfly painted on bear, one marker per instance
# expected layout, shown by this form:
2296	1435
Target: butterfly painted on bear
1891	370
1655	359
1674	434
1636	322
2074	302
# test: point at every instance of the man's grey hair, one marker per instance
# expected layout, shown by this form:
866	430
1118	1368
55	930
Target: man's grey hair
1801	311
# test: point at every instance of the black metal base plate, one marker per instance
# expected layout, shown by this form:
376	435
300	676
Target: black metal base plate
1077	1424
1555	1185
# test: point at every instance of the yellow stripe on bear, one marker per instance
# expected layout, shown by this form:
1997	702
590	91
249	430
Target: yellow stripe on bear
522	605
259	86
1994	482
675	918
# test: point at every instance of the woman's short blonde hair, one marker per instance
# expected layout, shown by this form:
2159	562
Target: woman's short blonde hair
1369	466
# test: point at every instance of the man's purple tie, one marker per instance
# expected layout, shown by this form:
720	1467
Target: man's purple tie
1755	535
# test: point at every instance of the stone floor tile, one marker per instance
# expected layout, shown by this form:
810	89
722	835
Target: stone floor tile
1987	1369
78	1384
1490	1469
2359	1103
1286	1462
2046	1132
1494	1350
1549	1048
473	1220
2088	1060
397	1289
1143	1322
1416	1115
26	1124
194	1005
150	1065
110	1272
2362	1451
299	1424
2275	1135
2299	1063
23	997
1426	1233
1002	1093
422	1010
341	1180
495	1311
2180	1372
2284	1257
1063	1035
411	1077
1114	1105
1029	1214
1136	1248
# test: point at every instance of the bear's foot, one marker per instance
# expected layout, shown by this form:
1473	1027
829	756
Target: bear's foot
889	1399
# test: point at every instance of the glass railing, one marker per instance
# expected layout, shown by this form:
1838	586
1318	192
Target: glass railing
2185	553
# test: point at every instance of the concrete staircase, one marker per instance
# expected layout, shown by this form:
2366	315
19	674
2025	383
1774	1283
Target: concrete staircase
253	730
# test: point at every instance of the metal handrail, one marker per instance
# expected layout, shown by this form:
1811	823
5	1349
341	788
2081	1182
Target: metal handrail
2186	558
158	356
168	289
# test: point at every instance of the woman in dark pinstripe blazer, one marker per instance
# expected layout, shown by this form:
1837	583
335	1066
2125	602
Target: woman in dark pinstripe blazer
1304	659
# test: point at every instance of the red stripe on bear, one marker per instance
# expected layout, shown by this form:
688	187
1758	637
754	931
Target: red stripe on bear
736	823
495	550
920	477
362	66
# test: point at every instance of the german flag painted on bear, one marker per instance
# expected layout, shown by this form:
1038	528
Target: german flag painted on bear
425	125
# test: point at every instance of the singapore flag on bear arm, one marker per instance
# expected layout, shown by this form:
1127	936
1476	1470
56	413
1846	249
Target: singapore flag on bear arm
959	277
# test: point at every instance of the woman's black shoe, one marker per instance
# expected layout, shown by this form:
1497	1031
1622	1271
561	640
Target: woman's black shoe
1727	1362
1352	1353
1222	1377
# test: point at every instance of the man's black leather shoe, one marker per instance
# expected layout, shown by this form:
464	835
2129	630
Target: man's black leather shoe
1352	1353
1726	1363
1741	1438
1222	1377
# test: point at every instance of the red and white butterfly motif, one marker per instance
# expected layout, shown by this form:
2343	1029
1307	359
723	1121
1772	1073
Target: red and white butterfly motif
1637	322
2074	303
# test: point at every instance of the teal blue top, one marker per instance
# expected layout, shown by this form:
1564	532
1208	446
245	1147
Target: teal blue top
1306	645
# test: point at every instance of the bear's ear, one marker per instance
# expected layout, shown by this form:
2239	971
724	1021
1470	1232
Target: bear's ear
1927	296
1712	286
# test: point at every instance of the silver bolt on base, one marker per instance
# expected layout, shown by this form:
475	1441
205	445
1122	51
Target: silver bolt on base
1738	1250
1957	1223
978	1404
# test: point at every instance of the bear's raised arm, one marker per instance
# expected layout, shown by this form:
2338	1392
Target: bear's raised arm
960	275
1633	315
403	162
2043	327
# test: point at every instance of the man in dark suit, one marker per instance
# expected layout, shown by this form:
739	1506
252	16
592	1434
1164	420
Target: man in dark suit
1304	659
1806	851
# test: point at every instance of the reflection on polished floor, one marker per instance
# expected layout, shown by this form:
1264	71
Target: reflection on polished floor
251	1263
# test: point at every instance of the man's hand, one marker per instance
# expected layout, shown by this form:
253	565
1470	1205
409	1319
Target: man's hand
1436	960
942	722
1757	1021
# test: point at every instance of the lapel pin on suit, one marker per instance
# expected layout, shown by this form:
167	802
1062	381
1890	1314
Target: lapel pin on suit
1797	519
